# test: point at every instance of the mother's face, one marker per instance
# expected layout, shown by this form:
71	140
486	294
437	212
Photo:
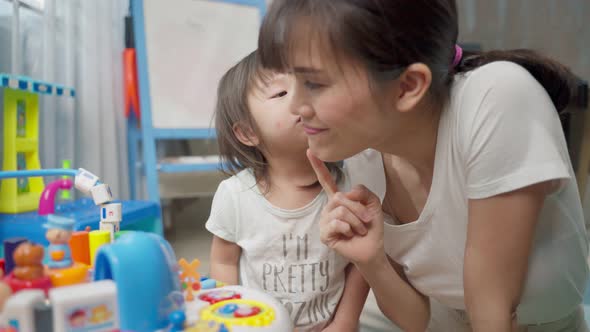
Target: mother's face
341	113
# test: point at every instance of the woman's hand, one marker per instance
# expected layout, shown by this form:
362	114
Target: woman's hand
351	223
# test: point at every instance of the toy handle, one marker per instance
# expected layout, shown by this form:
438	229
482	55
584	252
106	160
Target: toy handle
47	200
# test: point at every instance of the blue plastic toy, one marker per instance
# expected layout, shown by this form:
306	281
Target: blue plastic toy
59	232
137	262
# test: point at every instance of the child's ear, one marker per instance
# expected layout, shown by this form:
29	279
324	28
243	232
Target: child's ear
246	135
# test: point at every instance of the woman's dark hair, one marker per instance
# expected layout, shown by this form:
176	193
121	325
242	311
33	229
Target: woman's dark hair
386	36
232	110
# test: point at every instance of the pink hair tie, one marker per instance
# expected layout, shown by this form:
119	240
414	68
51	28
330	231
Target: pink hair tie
458	55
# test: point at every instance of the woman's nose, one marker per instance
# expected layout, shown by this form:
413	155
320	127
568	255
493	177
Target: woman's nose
305	111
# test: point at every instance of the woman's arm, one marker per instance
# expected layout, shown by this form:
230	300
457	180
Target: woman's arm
225	257
499	239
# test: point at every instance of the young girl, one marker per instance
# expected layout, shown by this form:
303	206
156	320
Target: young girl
265	217
481	211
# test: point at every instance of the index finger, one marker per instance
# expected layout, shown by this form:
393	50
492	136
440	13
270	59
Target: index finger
323	174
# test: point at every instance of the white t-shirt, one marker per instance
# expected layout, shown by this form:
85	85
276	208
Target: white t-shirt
281	250
500	132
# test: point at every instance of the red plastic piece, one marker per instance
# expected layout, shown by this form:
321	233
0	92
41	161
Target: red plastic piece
243	312
130	83
43	283
219	295
2	266
196	286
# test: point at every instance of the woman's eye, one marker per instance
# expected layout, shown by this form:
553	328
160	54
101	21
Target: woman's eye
312	85
279	95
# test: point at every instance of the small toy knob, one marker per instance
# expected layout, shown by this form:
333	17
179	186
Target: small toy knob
177	319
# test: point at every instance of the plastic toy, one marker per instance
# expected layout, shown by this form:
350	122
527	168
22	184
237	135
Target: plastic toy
21	144
61	267
10	246
75	274
189	277
136	287
84	307
97	312
136	215
238	309
19	313
46	202
97	239
28	258
58	234
21	139
66	194
28	272
80	245
5	291
144	268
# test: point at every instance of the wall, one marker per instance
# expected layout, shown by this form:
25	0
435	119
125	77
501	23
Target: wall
559	28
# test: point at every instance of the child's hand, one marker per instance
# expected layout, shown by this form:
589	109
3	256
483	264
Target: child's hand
352	222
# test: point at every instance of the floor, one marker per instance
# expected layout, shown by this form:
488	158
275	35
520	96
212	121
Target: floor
188	235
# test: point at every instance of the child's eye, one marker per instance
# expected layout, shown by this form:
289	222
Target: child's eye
312	85
279	95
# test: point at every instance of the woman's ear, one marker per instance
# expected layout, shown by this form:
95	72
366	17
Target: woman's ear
413	85
245	134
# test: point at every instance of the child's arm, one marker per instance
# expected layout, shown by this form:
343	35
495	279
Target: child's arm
351	303
225	256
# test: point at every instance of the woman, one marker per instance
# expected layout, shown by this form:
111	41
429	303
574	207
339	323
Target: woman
481	210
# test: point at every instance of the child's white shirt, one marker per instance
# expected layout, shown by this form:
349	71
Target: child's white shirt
282	254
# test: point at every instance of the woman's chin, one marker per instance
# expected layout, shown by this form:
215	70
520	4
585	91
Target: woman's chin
330	153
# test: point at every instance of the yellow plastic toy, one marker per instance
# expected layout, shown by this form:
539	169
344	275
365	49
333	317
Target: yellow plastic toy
263	317
20	146
21	151
97	239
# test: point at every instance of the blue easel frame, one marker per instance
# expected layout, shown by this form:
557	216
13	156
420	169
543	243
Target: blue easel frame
147	134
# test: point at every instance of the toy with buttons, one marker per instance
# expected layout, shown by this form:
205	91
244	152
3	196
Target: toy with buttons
216	307
96	281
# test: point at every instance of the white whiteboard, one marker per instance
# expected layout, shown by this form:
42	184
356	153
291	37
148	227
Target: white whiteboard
190	44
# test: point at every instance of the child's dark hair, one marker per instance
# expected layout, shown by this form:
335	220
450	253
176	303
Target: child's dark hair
232	110
386	36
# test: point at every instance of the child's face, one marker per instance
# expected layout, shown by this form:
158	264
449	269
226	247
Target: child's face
278	126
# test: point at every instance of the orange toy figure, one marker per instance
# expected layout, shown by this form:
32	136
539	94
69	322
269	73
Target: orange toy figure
5	292
28	258
189	277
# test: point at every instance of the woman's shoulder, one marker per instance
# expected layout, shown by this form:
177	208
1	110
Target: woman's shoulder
498	89
504	77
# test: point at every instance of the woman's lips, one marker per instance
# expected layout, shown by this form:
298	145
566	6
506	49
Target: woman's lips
312	130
